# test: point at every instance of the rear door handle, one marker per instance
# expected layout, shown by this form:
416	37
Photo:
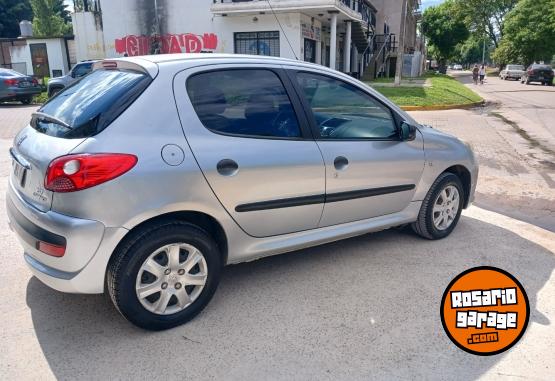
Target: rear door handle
227	167
340	163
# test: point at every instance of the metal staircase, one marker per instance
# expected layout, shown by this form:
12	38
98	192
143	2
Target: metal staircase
379	50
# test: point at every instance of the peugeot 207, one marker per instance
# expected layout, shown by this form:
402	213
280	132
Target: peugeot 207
148	175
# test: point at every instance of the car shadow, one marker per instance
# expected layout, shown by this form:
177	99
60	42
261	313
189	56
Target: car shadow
366	307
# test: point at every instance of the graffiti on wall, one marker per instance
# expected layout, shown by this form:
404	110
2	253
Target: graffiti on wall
168	43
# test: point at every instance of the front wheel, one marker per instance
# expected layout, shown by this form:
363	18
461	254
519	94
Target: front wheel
441	208
164	275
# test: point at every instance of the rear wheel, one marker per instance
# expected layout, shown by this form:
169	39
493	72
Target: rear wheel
441	209
164	275
26	100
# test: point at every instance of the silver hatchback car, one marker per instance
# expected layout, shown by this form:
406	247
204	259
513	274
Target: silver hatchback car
149	174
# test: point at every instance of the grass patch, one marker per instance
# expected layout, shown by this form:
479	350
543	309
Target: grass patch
41	98
444	91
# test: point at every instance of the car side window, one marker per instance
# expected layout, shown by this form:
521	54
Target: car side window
81	70
245	102
343	111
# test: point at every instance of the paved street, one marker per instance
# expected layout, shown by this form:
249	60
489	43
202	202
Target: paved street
364	308
514	139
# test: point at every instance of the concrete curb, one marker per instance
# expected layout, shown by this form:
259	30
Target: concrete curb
444	107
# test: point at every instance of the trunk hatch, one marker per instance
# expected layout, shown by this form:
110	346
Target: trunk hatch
32	152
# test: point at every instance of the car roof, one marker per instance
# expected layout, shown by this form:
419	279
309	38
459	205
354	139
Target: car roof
152	63
11	72
162	58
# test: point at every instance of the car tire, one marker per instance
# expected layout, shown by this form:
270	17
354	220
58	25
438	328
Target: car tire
129	260
53	91
26	100
425	226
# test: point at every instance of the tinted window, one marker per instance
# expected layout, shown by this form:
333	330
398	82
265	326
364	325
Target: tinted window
243	102
92	103
344	112
515	67
82	69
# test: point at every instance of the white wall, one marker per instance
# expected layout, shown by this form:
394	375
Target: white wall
56	51
189	22
89	37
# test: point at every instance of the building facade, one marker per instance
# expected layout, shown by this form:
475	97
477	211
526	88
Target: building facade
347	35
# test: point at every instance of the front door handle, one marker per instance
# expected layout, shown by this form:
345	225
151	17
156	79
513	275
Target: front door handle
227	167
340	163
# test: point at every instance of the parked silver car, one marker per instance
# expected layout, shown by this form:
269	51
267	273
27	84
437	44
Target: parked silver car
57	84
512	71
151	173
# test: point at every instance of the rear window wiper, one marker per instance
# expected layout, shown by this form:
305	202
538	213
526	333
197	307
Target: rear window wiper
51	119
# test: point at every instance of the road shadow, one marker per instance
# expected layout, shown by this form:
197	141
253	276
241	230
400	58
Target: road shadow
363	308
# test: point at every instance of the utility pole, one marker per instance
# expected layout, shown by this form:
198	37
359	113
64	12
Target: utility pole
401	49
484	52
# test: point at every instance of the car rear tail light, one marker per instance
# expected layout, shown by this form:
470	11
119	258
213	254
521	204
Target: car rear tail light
35	82
76	172
109	64
51	249
11	82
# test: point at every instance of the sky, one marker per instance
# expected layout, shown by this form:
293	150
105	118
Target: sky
429	3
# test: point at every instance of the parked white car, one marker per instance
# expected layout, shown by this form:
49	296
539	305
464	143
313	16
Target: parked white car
512	71
457	67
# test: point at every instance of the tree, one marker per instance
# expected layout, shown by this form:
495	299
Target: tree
11	13
47	21
60	7
471	50
485	17
443	30
528	33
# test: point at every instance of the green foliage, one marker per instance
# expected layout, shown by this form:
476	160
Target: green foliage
48	20
529	33
471	50
443	29
485	17
11	13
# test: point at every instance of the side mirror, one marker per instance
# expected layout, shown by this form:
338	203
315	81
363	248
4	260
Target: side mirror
72	74
407	131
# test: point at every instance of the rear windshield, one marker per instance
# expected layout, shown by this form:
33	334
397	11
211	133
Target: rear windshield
541	67
91	104
515	67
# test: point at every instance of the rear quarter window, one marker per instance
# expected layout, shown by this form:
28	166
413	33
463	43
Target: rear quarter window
92	103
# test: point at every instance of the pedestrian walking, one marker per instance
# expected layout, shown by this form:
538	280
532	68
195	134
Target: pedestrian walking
475	72
482	73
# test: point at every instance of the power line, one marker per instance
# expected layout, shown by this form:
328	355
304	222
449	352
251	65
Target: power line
280	27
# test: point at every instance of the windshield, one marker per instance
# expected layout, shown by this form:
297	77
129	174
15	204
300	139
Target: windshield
91	104
515	67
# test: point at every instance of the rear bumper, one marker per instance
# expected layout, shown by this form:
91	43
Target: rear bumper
19	92
89	245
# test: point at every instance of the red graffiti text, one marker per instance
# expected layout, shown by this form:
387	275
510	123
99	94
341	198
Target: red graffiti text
168	43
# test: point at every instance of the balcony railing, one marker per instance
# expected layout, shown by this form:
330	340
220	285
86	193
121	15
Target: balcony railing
360	6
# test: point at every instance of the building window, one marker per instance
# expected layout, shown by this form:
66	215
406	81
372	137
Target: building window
258	43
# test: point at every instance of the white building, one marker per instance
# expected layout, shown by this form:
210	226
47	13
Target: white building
340	34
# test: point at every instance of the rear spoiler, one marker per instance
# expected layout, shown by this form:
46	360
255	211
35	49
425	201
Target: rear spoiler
135	64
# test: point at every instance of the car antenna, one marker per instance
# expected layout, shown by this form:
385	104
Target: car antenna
280	27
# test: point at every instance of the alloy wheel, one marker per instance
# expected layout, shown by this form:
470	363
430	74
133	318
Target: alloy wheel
171	278
446	207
